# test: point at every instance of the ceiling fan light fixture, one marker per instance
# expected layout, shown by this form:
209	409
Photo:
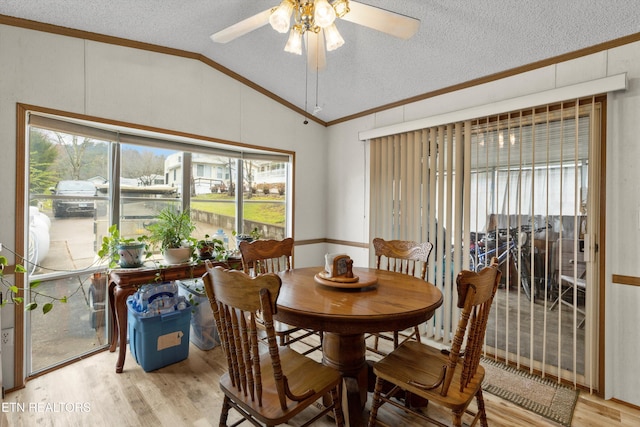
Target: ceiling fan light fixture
324	14
341	7
294	43
332	37
308	18
281	17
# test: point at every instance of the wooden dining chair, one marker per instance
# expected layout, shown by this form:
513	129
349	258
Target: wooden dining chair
264	387
273	256
406	257
446	378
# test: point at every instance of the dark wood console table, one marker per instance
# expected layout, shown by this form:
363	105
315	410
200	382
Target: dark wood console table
126	281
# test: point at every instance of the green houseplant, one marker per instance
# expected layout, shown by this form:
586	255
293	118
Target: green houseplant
16	295
126	252
209	248
253	235
172	234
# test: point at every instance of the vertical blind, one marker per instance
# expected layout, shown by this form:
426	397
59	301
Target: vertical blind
529	171
414	194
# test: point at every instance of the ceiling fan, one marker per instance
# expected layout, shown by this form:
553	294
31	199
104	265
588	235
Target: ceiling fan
314	21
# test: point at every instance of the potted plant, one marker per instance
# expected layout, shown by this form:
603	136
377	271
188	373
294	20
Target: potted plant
172	234
209	248
126	252
253	235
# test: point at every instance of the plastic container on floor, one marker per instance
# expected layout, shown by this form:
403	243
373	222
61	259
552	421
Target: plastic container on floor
204	333
159	340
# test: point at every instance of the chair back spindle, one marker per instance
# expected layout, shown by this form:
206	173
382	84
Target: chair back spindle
236	299
402	256
256	383
450	379
274	256
475	296
266	256
405	257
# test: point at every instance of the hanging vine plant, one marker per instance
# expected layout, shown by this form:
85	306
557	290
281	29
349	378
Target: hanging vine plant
13	292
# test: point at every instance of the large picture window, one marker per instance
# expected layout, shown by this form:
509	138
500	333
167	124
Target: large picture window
86	176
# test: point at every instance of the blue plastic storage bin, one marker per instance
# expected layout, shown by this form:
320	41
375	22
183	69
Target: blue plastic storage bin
204	333
159	340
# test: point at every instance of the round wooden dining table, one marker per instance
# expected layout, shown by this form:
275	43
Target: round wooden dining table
345	312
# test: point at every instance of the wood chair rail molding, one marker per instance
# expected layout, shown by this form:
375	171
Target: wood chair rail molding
625	280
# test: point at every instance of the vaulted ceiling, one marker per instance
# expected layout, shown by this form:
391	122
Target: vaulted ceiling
458	41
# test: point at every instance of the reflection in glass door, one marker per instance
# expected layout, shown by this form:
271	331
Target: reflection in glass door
64	208
530	179
521	186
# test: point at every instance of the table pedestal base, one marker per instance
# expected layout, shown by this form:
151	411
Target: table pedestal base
335	348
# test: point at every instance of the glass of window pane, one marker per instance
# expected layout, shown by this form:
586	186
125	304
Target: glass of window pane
213	196
264	198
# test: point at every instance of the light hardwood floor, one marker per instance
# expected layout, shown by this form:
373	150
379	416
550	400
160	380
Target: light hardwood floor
89	392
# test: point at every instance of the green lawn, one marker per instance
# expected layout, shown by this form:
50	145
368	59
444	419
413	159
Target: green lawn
268	209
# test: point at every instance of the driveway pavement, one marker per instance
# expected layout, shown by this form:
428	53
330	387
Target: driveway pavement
65	331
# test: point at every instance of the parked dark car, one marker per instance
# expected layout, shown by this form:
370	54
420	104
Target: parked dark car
76	198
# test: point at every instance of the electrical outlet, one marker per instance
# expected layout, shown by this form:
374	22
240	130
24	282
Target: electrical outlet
6	337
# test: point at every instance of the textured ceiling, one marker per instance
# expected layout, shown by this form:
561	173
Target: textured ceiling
458	41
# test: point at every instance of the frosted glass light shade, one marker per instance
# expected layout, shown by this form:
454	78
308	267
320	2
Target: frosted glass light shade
324	14
332	37
294	44
281	17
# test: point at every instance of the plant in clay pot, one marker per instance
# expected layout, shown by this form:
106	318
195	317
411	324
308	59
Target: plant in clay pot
253	235
126	252
172	234
209	248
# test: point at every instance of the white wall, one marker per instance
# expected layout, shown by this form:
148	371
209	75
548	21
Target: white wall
623	229
149	89
622	196
152	89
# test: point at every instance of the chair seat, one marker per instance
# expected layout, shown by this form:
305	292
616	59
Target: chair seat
396	337
447	379
302	373
284	328
579	282
280	327
284	332
413	362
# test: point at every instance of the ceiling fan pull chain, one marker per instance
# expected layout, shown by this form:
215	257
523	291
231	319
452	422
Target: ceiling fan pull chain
306	90
317	108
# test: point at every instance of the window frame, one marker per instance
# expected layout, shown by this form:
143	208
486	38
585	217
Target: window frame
178	141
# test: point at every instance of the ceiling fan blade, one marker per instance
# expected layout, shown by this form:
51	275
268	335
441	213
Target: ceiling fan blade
241	28
392	23
316	54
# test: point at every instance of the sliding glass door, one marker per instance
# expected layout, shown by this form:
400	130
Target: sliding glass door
522	187
64	210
